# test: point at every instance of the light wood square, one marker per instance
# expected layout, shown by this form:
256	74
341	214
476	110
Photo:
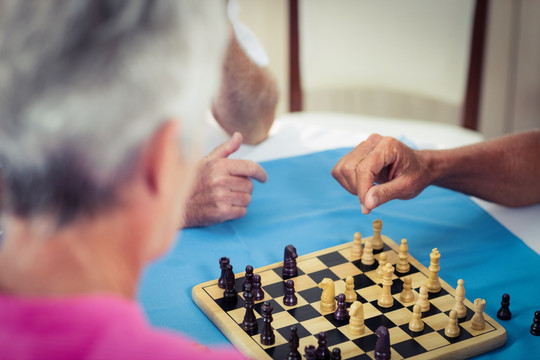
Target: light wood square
303	282
444	303
432	340
393	354
269	277
347	253
437	321
391	256
214	291
400	316
317	306
370	311
467	326
301	302
396	297
345	330
283	319
348	349
344	270
311	265
306	341
418	279
397	335
280	340
238	314
317	325
370	293
341	286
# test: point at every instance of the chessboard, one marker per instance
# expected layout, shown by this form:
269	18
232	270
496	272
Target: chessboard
337	263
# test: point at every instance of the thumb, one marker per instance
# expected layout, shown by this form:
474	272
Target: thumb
228	147
382	193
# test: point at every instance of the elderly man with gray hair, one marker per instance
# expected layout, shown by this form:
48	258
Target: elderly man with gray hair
100	102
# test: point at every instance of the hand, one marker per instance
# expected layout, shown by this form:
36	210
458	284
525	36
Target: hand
223	186
401	173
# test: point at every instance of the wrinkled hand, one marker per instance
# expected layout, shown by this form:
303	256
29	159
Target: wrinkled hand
399	171
223	186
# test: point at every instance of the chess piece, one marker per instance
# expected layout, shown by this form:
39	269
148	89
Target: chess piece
376	240
289	262
336	354
382	263
248	277
504	312
328	296
267	333
478	322
407	294
258	293
356	249
535	327
367	255
350	294
230	292
322	349
294	342
452	329
310	352
223	262
433	284
403	265
416	324
341	312
460	298
386	299
382	347
290	298
250	321
356	321
423	299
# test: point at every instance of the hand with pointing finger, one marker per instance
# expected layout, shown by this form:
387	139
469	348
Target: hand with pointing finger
223	186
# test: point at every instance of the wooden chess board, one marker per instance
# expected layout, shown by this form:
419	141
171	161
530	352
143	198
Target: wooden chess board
336	263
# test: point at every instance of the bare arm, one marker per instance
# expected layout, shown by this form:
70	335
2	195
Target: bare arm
247	96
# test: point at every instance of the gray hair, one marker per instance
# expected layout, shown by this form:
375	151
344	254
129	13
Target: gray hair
83	85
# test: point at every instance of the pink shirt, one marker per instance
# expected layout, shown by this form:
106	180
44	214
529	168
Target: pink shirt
89	327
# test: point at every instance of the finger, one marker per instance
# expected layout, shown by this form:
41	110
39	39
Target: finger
240	199
368	169
247	168
240	184
236	212
380	194
227	148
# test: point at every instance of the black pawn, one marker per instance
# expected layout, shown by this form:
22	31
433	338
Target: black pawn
250	321
289	262
258	293
230	292
504	312
535	327
267	333
322	351
223	262
294	342
382	347
249	277
336	354
341	312
290	298
310	352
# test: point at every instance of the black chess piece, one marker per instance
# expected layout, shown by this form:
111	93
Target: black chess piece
290	298
289	262
230	292
504	312
258	293
341	312
267	333
535	327
294	342
250	321
248	277
223	262
310	352
382	347
336	354
322	351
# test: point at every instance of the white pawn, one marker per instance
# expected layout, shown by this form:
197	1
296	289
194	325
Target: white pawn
382	262
403	265
423	299
460	298
407	295
367	256
356	321
376	238
478	322
452	329
356	249
350	294
416	324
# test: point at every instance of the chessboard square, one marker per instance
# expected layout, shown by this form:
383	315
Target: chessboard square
279	272
269	277
376	321
463	335
444	303
341	286
360	357
319	275
278	351
432	340
467	326
437	322
279	340
238	315
370	293
275	290
441	293
427	329
397	286
398	335
303	282
300	302
366	343
396	305
366	268
305	341
303	313
276	307
350	350
332	259
335	322
391	256
468	315
362	281
317	325
345	330
214	291
400	316
311	265
300	330
311	295
412	270
408	348
409	303
228	305
283	319
346	253
418	279
334	337
370	311
344	270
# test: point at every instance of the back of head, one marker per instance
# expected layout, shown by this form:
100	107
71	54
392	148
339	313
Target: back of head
83	85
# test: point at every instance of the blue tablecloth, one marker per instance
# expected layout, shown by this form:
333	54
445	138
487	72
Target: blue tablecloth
302	204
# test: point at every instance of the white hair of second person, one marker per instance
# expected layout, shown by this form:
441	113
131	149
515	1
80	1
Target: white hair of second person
85	83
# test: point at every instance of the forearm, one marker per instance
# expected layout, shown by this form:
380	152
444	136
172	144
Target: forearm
504	170
247	97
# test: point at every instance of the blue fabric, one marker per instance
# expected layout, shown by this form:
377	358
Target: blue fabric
302	204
